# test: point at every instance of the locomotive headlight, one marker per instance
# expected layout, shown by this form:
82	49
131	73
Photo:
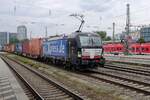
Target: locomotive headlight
79	54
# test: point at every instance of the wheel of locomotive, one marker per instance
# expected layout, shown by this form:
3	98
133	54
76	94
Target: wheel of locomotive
74	68
67	65
54	61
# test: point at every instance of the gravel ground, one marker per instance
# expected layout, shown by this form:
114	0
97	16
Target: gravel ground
93	89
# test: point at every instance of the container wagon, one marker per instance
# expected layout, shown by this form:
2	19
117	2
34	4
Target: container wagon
35	47
18	48
9	48
12	48
26	48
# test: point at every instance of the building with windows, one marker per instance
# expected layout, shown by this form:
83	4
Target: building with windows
145	33
13	37
4	38
135	35
22	32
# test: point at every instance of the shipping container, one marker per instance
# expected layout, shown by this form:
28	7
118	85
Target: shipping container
6	48
12	48
18	48
55	48
35	47
26	47
9	48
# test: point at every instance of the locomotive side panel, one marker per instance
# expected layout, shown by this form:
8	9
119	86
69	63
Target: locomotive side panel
56	49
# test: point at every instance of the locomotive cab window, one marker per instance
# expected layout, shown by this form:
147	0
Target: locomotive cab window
90	41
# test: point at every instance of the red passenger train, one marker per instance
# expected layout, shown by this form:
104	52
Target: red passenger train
135	48
116	48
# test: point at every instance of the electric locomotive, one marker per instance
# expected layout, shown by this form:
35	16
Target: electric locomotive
78	50
86	50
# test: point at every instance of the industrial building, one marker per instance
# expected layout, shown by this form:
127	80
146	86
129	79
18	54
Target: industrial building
145	33
22	32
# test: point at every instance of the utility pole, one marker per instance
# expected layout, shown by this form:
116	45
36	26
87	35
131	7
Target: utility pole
113	32
46	31
15	10
30	35
128	20
127	28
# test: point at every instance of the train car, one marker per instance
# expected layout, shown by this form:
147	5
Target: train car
107	48
119	48
26	48
9	48
35	47
76	51
12	48
114	48
18	48
135	48
5	48
145	48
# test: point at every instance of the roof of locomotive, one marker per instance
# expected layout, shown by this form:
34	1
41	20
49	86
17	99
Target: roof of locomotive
72	35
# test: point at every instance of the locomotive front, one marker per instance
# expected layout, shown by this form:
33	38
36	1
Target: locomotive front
89	51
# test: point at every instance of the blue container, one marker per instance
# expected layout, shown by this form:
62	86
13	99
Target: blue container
55	48
18	47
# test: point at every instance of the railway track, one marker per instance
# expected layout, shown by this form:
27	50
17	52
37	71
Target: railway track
132	84
40	85
139	67
139	86
128	69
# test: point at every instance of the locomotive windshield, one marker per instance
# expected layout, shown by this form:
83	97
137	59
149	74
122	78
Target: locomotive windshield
90	41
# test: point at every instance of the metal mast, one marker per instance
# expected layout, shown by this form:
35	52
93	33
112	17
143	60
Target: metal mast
113	32
46	31
128	20
127	28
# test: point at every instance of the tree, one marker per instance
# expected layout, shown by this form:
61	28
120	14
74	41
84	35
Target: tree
102	34
141	40
108	38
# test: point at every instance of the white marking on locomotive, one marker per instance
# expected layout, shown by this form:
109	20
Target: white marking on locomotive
91	52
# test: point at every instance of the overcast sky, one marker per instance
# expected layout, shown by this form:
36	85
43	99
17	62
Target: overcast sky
99	15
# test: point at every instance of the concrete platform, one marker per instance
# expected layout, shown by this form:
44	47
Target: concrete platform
139	59
9	87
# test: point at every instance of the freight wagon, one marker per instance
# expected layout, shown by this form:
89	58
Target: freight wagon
77	50
26	48
35	47
18	48
9	48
